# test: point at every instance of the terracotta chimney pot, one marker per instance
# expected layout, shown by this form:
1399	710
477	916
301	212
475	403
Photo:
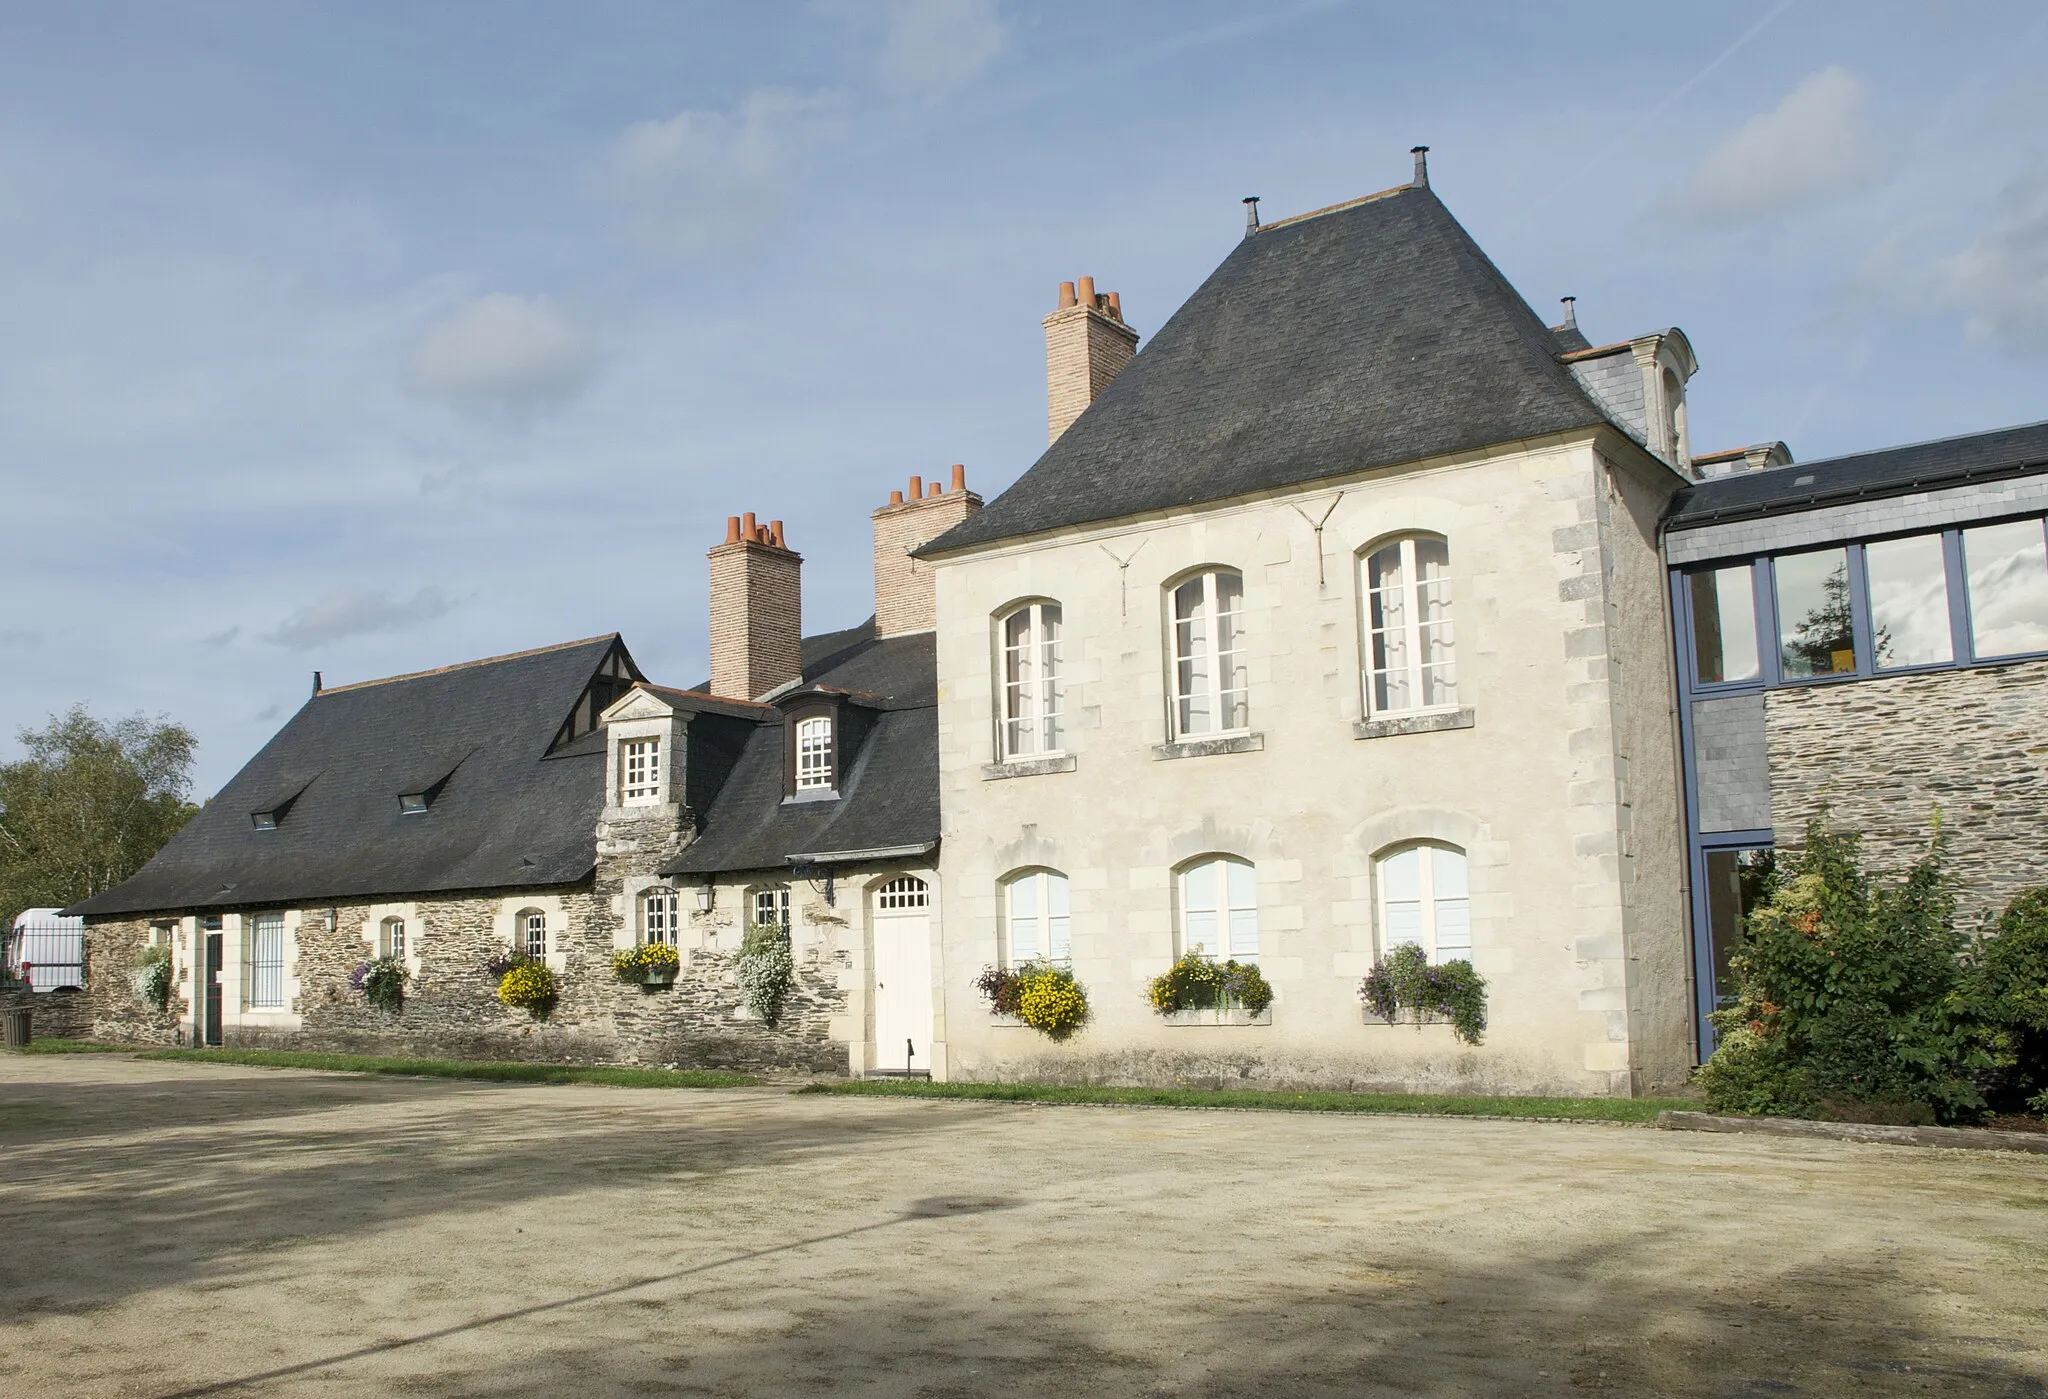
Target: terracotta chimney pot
916	491
732	529
775	533
895	497
1087	292
1066	295
959	477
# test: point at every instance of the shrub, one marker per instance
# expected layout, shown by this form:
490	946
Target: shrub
529	986
1050	1001
382	981
1000	987
2006	988
1403	985
633	963
765	970
1849	995
498	963
152	977
1196	983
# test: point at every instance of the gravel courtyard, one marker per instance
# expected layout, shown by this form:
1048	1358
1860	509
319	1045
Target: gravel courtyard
197	1229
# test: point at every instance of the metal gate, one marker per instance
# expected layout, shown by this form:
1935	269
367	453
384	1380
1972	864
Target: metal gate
46	951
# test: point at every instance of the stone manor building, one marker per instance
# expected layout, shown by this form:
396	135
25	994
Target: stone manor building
1360	607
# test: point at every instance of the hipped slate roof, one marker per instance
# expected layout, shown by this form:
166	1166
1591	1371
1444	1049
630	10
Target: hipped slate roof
888	796
509	814
1951	461
1367	335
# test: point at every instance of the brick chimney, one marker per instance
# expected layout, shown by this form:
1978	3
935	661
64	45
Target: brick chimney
756	610
905	601
1087	344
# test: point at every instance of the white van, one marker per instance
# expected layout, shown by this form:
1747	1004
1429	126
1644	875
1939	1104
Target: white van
47	950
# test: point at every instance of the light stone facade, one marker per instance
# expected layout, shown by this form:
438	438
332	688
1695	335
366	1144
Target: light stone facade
1559	784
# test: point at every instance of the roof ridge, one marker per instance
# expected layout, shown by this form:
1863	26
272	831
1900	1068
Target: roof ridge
1337	208
1925	442
466	665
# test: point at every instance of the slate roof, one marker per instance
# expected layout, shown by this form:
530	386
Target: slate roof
1366	335
509	815
1951	461
889	794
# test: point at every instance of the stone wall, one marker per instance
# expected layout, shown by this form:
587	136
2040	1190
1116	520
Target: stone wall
1882	754
63	1014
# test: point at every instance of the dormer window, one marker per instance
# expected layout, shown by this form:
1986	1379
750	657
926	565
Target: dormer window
814	753
639	771
412	803
264	820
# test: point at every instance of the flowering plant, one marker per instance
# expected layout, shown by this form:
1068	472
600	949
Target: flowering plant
152	977
1000	987
1403	981
382	981
529	986
765	970
498	963
632	963
1196	983
1049	1000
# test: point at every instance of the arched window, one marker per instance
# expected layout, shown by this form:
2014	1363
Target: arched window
1674	417
1409	659
1031	680
658	915
1423	900
1219	909
905	891
391	938
1209	678
1035	924
531	930
771	906
814	753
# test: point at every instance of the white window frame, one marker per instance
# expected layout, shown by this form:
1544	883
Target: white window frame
814	753
773	899
1226	909
266	934
530	926
639	771
1199	667
1051	917
904	892
391	941
1029	675
660	916
1411	630
1428	902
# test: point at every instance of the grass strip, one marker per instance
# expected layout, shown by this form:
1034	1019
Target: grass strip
1422	1104
64	1046
485	1070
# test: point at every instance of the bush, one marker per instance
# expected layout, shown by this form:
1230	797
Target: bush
1850	996
152	977
765	970
1000	987
529	986
1403	985
633	963
1050	1001
1196	983
2006	987
382	982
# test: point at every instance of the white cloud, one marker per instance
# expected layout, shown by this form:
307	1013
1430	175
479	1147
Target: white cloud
221	638
700	179
503	352
932	47
358	613
2000	282
1814	146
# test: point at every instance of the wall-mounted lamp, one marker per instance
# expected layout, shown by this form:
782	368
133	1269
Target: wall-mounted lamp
704	898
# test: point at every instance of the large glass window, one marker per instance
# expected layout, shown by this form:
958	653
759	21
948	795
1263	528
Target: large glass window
1210	682
1035	917
1219	909
1908	602
1815	633
1031	680
1724	624
266	961
1408	626
2007	567
813	753
1424	901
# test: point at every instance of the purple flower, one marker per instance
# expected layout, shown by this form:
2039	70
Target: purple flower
355	978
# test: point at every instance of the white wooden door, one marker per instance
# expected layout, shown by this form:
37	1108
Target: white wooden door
901	920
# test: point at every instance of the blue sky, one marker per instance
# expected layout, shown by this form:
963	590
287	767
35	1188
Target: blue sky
373	337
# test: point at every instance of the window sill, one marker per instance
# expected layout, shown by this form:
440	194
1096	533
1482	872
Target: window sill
1209	747
812	794
1373	1022
1439	722
1218	1017
1027	767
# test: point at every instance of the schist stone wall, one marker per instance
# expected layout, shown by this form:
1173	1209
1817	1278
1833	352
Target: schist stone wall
65	1014
1882	754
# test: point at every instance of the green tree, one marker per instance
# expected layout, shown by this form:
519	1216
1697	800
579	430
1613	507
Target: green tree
88	806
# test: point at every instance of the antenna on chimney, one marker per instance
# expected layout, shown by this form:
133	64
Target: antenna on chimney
1421	154
1571	312
1251	215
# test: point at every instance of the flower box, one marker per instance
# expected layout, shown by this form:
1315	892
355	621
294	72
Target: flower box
1408	1020
657	978
1218	1015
